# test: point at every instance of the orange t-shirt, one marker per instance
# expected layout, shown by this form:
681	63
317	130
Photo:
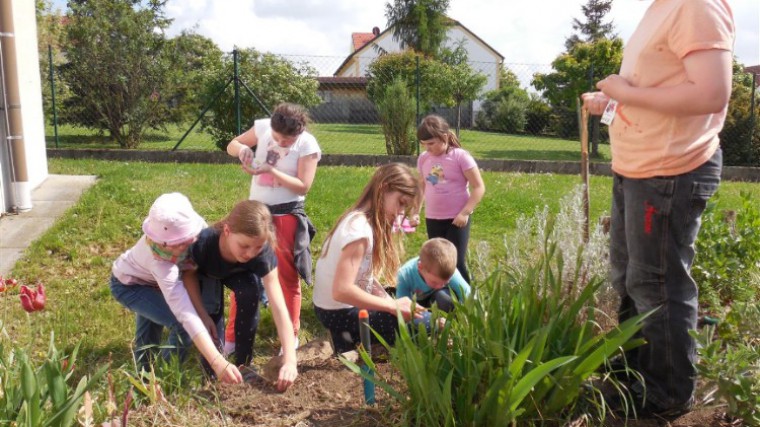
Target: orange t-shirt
646	143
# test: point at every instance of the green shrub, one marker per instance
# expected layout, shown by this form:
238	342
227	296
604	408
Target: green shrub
504	110
42	395
727	263
537	115
731	364
266	80
397	116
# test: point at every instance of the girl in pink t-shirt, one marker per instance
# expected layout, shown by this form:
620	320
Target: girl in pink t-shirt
452	185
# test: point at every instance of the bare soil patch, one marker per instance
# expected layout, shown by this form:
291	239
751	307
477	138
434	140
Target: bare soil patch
328	394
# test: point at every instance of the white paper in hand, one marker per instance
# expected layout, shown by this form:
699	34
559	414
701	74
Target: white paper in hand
609	112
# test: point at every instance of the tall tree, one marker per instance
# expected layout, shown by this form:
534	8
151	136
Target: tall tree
432	88
117	67
740	137
419	25
50	38
594	28
593	53
461	80
576	72
194	58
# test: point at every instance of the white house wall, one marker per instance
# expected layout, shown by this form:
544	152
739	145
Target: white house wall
478	55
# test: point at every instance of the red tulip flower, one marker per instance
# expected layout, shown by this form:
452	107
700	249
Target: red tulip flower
32	299
7	284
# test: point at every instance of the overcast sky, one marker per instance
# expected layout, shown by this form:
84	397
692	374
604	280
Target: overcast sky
523	31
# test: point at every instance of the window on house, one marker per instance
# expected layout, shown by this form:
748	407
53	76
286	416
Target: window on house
326	95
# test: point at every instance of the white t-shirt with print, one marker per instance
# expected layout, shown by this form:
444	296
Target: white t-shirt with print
353	227
263	187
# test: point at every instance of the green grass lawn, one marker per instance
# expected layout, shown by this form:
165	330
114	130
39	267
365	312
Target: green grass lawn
348	139
74	257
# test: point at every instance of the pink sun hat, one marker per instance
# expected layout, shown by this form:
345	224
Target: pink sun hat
172	220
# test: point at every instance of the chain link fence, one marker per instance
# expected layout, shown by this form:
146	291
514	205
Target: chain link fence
201	104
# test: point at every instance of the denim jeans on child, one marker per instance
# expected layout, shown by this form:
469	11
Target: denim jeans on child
440	297
655	222
152	315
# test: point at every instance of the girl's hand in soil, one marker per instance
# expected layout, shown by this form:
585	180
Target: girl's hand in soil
227	372
288	374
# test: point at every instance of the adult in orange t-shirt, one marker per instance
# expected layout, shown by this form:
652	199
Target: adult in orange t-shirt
672	95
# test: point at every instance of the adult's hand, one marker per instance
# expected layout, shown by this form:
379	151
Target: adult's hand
614	86
595	102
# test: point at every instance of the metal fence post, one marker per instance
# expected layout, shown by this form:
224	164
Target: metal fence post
237	91
752	102
417	78
52	93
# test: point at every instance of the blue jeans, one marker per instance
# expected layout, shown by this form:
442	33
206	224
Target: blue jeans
152	315
441	297
654	224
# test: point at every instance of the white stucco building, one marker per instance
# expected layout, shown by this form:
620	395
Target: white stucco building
344	93
368	46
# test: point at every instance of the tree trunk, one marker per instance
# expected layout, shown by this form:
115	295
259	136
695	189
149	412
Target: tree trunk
459	117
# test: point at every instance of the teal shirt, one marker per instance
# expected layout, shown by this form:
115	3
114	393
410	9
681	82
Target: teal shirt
409	283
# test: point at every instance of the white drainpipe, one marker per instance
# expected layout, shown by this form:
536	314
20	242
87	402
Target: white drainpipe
22	193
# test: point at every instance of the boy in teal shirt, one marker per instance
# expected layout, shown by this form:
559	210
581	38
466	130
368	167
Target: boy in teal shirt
432	277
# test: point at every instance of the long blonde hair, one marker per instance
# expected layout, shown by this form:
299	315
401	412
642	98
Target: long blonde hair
386	254
250	218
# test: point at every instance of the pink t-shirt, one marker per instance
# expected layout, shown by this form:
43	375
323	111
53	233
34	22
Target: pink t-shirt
446	190
646	143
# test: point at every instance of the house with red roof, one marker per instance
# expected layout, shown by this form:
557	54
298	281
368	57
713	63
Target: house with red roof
345	90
